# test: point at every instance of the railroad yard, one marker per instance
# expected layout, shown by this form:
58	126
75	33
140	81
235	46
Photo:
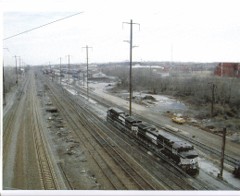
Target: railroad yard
56	137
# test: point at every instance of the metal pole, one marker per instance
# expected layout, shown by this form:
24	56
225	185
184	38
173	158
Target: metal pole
87	68
221	69
16	70
4	83
130	72
60	70
130	69
68	66
4	89
51	71
151	82
213	87
220	175
19	59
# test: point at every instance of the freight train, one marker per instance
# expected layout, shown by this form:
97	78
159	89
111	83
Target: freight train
236	171
179	151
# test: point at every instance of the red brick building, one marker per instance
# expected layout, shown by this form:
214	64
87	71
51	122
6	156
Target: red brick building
228	69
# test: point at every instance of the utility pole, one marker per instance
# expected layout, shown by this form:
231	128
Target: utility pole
4	90
213	98
19	64
51	71
130	70
68	67
60	70
16	69
221	69
4	83
222	154
151	79
49	67
87	67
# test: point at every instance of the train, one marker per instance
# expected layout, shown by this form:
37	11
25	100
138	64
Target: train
236	171
180	152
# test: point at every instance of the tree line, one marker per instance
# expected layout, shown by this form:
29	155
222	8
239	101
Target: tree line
197	89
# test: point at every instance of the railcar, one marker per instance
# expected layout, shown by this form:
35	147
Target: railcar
132	124
236	171
146	132
181	152
117	115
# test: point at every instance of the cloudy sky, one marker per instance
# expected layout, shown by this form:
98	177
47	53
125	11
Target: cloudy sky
178	30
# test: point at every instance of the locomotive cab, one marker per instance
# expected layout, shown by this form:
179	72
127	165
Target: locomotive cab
236	171
188	157
189	161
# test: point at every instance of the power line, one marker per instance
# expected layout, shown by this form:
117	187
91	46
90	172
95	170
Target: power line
29	30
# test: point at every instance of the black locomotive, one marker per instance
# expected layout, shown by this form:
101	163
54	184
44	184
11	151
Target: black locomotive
236	171
181	152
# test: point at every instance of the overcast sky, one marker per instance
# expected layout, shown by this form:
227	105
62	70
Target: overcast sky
178	30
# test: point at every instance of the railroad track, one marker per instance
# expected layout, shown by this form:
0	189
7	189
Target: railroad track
228	159
88	143
170	172
21	122
46	170
180	183
173	175
196	182
10	117
111	151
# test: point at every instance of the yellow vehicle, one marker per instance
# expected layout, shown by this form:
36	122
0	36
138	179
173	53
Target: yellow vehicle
178	120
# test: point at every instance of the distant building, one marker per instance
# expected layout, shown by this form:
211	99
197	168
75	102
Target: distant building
228	69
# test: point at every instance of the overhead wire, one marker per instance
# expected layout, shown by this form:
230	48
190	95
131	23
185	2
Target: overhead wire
29	30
